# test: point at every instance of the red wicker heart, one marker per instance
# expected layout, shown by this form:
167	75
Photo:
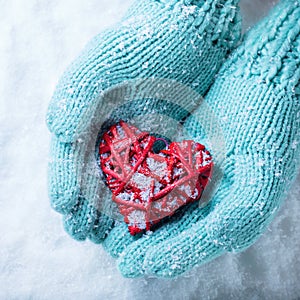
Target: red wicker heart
150	186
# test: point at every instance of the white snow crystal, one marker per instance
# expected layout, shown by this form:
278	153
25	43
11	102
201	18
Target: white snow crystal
141	181
137	217
158	168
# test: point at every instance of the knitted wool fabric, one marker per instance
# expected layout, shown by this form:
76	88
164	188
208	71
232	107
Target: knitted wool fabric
178	40
159	39
256	98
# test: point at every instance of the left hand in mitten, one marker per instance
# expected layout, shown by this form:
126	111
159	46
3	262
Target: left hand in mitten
155	39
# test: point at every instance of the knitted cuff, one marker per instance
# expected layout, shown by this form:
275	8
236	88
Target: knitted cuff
218	21
259	86
270	48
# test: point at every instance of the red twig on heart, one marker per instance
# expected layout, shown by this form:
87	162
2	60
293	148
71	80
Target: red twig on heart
147	186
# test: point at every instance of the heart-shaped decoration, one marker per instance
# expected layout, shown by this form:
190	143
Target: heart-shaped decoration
149	186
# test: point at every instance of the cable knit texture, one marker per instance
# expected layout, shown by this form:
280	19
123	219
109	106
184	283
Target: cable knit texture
256	99
180	40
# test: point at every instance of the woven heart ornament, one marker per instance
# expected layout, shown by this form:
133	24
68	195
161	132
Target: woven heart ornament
149	186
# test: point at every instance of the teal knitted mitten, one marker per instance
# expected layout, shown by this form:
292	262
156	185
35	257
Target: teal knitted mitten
170	39
256	99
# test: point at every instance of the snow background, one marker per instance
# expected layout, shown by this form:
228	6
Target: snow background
38	260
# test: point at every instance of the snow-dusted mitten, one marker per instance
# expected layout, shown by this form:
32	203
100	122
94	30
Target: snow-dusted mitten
179	40
256	99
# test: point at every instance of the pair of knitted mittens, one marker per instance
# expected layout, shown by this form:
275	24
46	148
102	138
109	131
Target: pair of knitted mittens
254	94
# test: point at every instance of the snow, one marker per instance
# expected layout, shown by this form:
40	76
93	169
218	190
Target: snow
141	181
137	218
156	167
38	260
